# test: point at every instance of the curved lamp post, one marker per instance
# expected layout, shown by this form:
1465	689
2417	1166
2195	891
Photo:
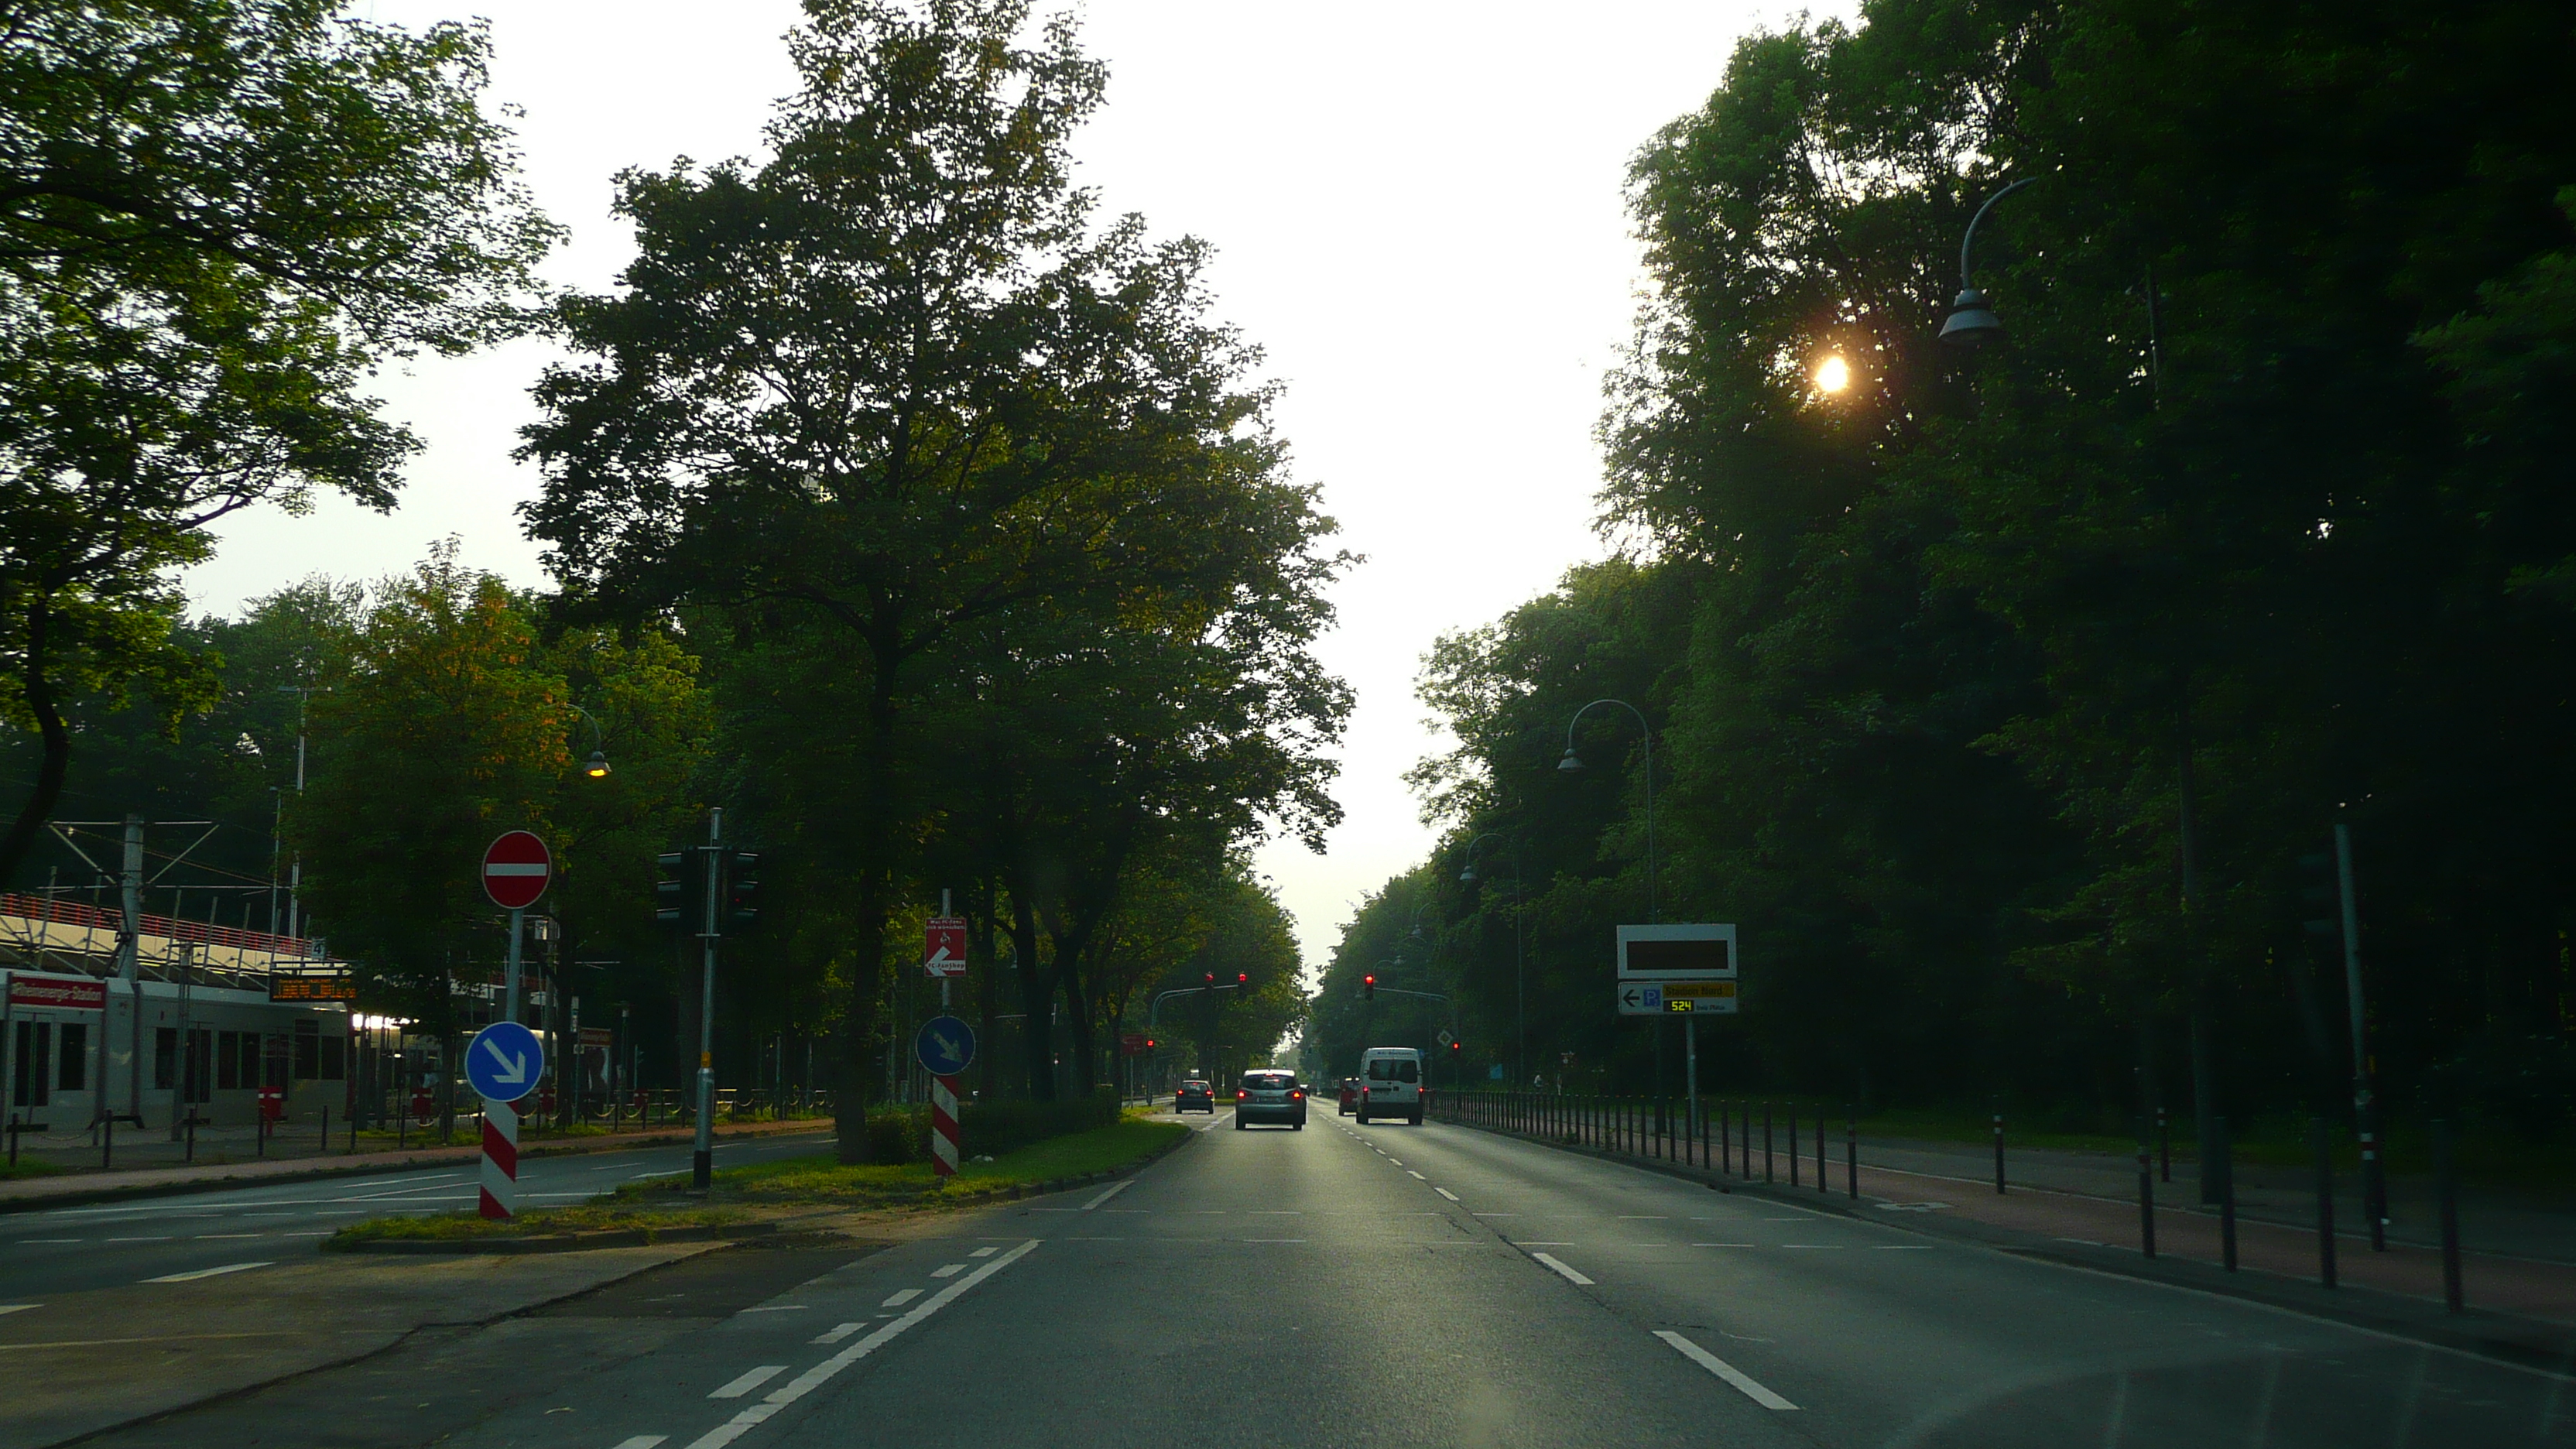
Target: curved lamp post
1573	761
1972	321
597	766
1520	989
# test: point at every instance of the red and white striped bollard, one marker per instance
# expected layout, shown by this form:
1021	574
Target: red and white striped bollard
943	1126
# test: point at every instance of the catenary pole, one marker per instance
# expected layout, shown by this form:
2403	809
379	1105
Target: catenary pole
702	1160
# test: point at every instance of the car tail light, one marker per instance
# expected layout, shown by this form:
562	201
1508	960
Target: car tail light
1240	1094
1296	1096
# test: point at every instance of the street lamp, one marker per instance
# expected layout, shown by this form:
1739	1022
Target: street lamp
1972	321
597	766
1574	762
1520	988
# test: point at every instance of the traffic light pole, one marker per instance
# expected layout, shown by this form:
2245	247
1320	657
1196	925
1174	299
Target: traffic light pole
702	1161
2365	1110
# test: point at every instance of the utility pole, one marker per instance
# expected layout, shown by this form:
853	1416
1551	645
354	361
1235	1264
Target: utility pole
2364	1107
702	1161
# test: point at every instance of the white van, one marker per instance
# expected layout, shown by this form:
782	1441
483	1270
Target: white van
1391	1084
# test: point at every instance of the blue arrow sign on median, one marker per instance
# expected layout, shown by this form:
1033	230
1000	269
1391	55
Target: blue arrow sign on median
945	1046
504	1061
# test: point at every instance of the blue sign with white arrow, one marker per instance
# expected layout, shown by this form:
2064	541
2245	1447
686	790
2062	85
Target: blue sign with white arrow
504	1061
946	1046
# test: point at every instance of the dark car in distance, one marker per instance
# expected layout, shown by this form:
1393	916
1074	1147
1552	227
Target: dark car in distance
1195	1093
1350	1095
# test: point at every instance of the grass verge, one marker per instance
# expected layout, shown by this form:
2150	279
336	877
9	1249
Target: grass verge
822	1181
544	1222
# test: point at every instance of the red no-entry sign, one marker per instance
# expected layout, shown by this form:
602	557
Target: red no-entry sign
515	869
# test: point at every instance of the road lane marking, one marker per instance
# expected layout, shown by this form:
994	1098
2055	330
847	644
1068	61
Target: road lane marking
901	1298
983	1252
204	1273
1903	1247
642	1441
1444	1192
1106	1196
822	1373
837	1334
947	1270
139	1240
8	1308
212	1237
778	1308
1493	1215
1723	1245
1724	1370
1417	1177
1568	1274
53	1240
1274	1240
750	1379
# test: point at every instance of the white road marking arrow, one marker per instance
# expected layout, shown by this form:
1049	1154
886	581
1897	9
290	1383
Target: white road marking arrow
516	1067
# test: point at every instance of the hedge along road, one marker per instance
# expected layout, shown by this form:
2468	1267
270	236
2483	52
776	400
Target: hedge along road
1392	1284
52	1251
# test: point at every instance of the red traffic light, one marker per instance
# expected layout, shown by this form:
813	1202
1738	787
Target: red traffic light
1241	977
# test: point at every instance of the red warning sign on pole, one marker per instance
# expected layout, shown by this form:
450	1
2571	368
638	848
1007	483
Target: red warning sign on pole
943	946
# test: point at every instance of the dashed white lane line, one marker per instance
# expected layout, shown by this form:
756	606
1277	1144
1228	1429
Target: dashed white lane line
1723	1245
1444	1192
983	1252
839	1333
901	1297
1417	1177
204	1273
823	1373
1724	1370
947	1270
1561	1270
9	1308
642	1441
750	1379
1104	1197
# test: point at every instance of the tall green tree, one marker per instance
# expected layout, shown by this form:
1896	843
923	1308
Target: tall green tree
215	219
892	386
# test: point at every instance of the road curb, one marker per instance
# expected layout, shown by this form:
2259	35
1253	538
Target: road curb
559	1242
344	1168
2525	1342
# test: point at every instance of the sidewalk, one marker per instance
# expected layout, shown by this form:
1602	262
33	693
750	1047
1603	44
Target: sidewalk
74	1188
2517	1307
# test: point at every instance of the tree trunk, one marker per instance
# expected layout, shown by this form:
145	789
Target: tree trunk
876	846
56	764
1037	999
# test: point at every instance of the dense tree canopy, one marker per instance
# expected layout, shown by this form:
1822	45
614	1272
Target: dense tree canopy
1999	694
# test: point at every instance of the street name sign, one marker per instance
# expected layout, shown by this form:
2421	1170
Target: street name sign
1697	952
943	946
515	870
504	1061
945	1046
1676	998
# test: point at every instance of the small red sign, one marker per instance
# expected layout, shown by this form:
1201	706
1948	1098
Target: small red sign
1134	1044
515	870
943	946
58	993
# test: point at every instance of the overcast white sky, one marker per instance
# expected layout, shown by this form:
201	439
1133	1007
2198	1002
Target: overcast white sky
1416	209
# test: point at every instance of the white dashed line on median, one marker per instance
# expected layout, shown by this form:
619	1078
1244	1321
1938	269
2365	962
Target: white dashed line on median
751	1379
642	1441
947	1270
823	1373
983	1252
1444	1192
901	1297
1562	1271
1724	1370
204	1273
9	1308
1104	1197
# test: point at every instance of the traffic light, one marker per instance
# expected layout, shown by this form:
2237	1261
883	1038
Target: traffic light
1368	987
1456	1047
2317	893
671	892
741	893
1241	977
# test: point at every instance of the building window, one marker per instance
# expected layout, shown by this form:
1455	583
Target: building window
31	1065
201	1052
335	1059
308	1049
228	1061
272	1058
165	1057
72	1061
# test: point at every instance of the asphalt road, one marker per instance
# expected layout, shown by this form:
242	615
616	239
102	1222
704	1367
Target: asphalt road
1401	1285
53	1251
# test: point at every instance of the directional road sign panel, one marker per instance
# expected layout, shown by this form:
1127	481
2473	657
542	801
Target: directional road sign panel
515	868
946	1046
1696	952
943	946
504	1061
1671	998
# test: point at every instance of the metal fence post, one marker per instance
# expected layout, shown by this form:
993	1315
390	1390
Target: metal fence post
1999	1154
2223	1157
1793	1144
2446	1194
2146	1195
1766	1142
2325	1202
1822	1184
1851	1152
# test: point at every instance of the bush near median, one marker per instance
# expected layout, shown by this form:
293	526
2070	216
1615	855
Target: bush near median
987	1128
820	1180
543	1222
